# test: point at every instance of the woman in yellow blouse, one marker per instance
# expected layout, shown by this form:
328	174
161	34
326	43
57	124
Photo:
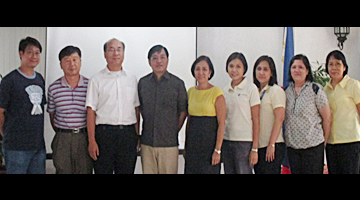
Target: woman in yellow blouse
272	115
343	93
206	122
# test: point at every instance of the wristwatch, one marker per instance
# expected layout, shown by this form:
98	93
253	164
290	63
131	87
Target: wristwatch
218	151
254	150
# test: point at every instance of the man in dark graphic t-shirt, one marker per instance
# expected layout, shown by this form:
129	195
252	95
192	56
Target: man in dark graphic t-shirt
22	100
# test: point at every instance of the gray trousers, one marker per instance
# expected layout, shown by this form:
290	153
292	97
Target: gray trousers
236	157
70	153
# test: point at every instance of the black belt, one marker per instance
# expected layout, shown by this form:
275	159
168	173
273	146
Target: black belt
75	130
105	126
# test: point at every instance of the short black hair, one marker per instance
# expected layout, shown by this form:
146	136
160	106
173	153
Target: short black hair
157	48
237	55
68	50
273	78
29	41
105	45
338	55
203	58
306	62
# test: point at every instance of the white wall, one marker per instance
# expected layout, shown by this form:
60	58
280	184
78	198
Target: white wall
318	42
180	42
219	42
9	47
315	42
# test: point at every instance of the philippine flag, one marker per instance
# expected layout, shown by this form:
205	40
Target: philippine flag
288	53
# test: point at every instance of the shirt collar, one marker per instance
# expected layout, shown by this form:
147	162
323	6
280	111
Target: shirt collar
64	83
265	88
292	85
307	83
166	76
240	86
107	71
342	83
328	84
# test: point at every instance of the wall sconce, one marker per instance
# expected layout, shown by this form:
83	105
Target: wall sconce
341	33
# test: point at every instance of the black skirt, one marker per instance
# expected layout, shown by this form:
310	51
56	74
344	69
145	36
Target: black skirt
200	144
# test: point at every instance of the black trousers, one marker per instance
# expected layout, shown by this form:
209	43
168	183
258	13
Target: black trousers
307	161
274	167
117	149
343	158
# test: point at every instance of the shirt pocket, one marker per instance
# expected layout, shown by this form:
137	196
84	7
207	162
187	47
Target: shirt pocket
107	92
170	99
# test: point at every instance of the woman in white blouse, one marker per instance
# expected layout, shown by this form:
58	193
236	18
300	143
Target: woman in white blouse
242	127
272	114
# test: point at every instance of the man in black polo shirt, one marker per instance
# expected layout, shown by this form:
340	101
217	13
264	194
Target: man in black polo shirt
163	106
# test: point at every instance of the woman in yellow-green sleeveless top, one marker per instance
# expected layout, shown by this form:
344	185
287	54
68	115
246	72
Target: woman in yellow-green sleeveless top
206	122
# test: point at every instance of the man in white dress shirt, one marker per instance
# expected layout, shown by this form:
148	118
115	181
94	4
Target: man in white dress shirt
113	115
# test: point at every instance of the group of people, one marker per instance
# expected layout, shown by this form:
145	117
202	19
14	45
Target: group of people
97	120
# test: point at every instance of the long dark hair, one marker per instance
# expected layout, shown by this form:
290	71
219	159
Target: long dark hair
273	78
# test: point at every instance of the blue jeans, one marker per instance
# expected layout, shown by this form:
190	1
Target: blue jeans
25	162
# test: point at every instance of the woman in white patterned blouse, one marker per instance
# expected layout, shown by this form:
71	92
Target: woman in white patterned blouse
307	119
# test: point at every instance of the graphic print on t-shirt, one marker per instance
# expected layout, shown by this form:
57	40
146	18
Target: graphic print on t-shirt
35	95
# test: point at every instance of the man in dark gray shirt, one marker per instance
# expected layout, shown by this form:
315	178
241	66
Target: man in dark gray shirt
163	106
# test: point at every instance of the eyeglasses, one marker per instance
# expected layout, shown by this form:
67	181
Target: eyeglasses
33	53
113	50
